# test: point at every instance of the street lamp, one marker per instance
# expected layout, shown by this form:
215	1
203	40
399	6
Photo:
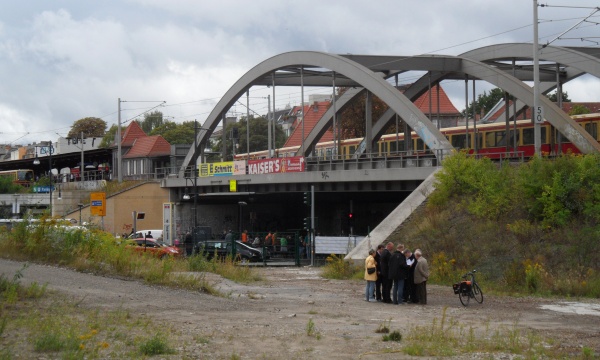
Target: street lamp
36	161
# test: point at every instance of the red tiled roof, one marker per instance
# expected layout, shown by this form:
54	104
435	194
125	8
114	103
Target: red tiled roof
149	146
311	118
446	106
312	115
566	106
133	132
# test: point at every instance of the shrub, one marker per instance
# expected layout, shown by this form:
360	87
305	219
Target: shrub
338	268
155	346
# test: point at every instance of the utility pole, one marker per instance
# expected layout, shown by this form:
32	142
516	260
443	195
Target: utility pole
82	166
269	126
312	225
537	113
119	155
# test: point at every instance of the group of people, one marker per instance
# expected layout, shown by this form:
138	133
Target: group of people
396	275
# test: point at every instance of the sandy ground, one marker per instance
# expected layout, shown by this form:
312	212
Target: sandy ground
268	319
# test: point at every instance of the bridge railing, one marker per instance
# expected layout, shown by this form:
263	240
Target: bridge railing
396	160
518	156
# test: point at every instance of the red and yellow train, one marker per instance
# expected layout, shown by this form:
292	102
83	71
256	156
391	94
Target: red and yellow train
487	139
23	177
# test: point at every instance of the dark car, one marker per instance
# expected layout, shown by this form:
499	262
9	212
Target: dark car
222	249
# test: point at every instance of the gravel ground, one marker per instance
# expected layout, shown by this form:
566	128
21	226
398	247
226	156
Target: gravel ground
268	319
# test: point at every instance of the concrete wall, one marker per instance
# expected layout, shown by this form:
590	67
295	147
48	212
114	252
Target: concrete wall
147	198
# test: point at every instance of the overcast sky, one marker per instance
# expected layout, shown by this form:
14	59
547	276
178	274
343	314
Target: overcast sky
63	60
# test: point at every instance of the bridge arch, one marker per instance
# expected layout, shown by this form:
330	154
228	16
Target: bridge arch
341	65
477	64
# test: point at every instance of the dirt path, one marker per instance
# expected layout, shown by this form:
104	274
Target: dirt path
269	319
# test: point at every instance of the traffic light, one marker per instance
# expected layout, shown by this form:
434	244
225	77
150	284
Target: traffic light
307	199
234	133
307	223
351	218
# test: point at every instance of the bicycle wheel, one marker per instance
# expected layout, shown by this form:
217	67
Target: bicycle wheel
464	297
478	294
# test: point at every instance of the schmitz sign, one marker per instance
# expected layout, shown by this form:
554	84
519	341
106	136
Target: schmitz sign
276	165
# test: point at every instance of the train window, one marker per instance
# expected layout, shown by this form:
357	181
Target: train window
563	139
458	141
352	149
544	136
512	137
383	146
528	138
490	139
592	129
500	138
393	146
420	145
479	139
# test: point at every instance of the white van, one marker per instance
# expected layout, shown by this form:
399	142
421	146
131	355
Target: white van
151	233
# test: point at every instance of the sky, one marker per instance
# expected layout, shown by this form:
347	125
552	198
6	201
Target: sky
64	60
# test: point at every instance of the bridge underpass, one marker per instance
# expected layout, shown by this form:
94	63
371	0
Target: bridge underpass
275	201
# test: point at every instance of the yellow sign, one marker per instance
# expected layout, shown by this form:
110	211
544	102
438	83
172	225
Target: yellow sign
217	169
232	185
98	204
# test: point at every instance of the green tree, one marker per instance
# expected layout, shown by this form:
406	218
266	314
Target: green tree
108	139
258	136
565	97
8	187
485	102
151	121
176	133
579	110
91	127
352	118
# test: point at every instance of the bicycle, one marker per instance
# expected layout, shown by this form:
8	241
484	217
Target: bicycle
468	288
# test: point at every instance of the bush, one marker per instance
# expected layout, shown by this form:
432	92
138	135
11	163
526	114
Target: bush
338	268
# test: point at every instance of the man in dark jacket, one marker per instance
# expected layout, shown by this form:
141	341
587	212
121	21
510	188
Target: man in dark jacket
409	286
398	272
379	281
387	283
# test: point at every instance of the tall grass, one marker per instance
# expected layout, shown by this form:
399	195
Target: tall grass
94	250
449	337
533	228
54	327
338	268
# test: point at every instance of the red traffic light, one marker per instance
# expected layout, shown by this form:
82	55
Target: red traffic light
350	215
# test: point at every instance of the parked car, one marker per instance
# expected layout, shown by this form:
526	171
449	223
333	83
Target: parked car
152	234
222	248
152	246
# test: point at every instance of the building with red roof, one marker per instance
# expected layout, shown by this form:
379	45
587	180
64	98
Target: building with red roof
142	154
312	114
448	114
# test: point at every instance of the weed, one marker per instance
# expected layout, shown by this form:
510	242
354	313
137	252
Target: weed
312	312
156	345
384	327
393	336
587	353
338	268
310	327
